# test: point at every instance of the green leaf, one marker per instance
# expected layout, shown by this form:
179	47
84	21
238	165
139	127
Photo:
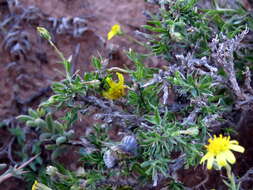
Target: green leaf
19	133
56	153
24	118
33	113
50	123
61	140
96	62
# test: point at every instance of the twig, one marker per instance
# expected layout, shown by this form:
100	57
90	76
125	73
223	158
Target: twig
15	170
202	182
248	80
222	54
94	101
246	177
10	150
191	118
75	58
117	69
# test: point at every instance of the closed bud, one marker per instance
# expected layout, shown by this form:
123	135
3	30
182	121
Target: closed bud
44	33
80	172
61	140
51	171
193	131
176	36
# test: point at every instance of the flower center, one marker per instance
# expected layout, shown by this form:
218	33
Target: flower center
218	145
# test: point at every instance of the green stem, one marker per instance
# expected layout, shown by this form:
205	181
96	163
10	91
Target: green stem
231	178
57	51
64	60
221	9
117	69
135	41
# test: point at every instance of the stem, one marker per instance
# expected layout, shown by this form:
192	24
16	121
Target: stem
64	60
221	9
11	174
117	69
231	177
134	40
91	82
41	186
57	50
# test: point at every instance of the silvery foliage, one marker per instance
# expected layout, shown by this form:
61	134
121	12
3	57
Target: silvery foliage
128	147
75	26
16	40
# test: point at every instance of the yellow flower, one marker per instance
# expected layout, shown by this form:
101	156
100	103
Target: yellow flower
115	30
35	185
219	151
116	89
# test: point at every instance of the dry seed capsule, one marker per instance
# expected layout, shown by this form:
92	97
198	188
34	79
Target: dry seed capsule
128	145
110	159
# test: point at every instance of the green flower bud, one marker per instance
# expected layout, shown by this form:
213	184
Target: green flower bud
193	131
80	172
176	36
61	140
51	171
44	33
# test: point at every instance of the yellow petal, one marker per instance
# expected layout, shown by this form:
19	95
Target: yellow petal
34	187
106	94
121	78
210	162
233	142
205	157
221	159
109	80
116	89
230	157
236	148
116	28
110	35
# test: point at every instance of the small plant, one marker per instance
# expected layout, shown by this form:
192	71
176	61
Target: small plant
219	154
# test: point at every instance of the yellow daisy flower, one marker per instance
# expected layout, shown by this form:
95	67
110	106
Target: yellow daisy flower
35	185
219	151
116	89
115	30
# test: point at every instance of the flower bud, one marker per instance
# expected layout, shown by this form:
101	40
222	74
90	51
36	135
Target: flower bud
176	36
44	33
193	131
51	171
